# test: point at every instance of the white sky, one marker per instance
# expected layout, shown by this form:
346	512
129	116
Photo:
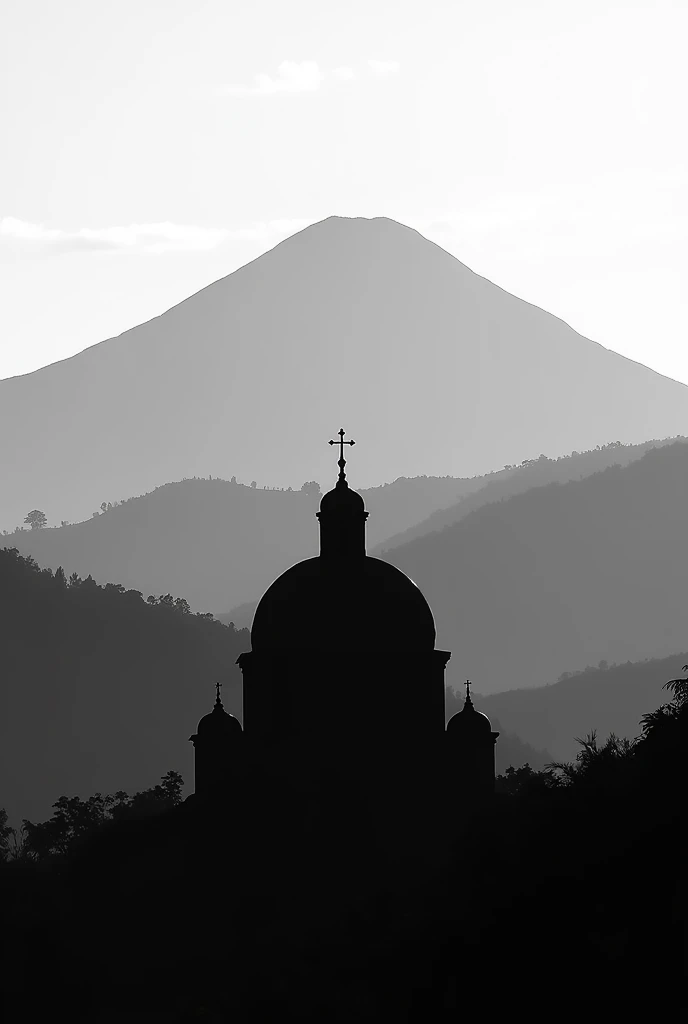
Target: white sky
149	147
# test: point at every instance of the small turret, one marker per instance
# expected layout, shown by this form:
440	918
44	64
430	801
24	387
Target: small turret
471	749
217	746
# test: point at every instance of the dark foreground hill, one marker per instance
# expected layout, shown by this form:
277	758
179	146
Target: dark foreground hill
562	576
219	542
357	323
560	897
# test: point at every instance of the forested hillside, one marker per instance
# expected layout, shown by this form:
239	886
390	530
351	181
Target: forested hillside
100	689
561	577
519	479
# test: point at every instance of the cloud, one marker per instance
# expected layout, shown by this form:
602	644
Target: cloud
265	231
291	77
344	74
146	238
157	238
382	68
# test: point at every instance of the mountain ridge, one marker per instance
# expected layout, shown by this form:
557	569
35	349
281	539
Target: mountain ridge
564	574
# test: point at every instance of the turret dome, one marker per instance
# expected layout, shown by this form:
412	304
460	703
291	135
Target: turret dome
468	722
218	723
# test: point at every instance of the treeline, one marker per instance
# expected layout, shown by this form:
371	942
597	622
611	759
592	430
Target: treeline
74	820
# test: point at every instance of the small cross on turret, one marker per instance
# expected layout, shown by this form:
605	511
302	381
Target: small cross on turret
468	692
217	692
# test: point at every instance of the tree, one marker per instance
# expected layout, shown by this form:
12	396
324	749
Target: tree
595	763
5	834
311	488
36	519
253	483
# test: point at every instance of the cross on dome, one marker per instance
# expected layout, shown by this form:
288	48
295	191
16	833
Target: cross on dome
342	461
217	692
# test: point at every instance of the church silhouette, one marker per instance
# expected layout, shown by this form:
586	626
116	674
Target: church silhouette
343	858
337	632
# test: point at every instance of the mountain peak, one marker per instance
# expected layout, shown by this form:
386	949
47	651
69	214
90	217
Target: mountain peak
352	321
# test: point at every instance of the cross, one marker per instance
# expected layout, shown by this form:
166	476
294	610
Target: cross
217	690
342	461
468	690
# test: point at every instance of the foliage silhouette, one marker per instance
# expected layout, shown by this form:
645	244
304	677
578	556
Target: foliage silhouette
36	519
74	819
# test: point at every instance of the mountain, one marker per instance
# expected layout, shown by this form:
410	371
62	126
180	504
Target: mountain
562	576
216	541
361	323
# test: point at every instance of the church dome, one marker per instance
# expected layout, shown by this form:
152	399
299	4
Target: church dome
362	604
469	722
218	723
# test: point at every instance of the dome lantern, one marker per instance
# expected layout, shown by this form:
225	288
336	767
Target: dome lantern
342	515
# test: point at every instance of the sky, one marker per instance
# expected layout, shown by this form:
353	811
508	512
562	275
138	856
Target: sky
149	147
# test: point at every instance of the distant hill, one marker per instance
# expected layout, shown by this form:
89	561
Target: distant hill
357	323
516	480
219	542
562	576
607	699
